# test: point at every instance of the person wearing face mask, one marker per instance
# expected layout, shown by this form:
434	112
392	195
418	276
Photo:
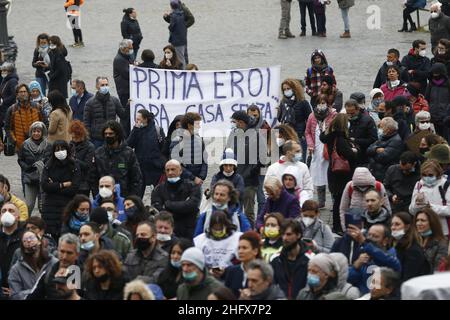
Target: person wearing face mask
180	197
10	239
333	96
318	121
60	70
106	277
130	29
100	109
294	109
60	181
147	261
120	241
316	235
135	213
76	214
115	158
41	60
219	243
171	60
392	59
78	99
35	260
400	180
92	241
432	190
386	150
62	291
283	133
8	94
228	167
272	236
146	138
440	153
439	25
224	198
432	240
289	182
442	53
109	190
314	74
164	228
190	150
417	64
417	141
406	243
438	96
353	195
172	277
326	279
7	196
377	98
394	86
59	118
21	116
111	210
39	100
374	252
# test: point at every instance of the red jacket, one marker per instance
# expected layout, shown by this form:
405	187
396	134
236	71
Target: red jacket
390	94
421	104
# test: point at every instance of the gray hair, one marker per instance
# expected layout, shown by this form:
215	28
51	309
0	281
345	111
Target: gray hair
110	177
8	66
436	5
174	162
264	267
391	278
272	182
97	80
70	238
390	123
422	115
125	43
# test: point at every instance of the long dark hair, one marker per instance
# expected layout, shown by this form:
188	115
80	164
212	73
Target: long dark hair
175	61
410	235
142	213
43	257
127	12
184	244
73	205
61	144
221	218
57	101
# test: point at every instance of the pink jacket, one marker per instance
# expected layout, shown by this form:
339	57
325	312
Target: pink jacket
311	124
390	94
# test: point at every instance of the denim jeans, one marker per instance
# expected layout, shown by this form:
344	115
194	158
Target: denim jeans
344	13
180	54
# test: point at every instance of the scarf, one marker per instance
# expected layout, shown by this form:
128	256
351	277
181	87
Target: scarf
36	147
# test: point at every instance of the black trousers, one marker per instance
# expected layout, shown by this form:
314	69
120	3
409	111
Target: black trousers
321	23
312	20
407	15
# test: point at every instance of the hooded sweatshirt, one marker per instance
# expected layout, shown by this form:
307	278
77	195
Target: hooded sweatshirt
315	73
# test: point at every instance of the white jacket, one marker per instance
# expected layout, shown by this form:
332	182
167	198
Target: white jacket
304	181
433	196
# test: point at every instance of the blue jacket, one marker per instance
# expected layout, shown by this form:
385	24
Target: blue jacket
145	142
359	278
78	108
416	3
344	245
118	202
243	220
178	29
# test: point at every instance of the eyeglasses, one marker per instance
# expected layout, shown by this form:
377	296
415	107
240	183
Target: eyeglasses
425	121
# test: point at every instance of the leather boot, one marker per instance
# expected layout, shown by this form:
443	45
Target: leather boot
404	28
413	28
346	34
288	33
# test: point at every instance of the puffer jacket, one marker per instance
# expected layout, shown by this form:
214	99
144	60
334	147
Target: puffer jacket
361	178
379	162
121	73
421	104
22	277
8	93
84	153
148	268
439	28
8	246
120	163
438	94
145	142
434	198
99	109
54	197
131	30
177	28
390	93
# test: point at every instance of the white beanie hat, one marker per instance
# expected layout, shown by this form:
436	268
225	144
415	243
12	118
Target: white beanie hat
195	256
325	262
374	91
228	158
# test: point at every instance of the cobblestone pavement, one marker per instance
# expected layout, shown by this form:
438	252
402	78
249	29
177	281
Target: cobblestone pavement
226	35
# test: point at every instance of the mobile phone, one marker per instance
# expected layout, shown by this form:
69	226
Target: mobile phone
307	240
354	219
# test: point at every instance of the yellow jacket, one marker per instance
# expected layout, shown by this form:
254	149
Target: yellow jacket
22	206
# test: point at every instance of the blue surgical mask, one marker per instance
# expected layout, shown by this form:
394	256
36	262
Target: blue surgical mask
81	216
173	180
313	280
190	276
104	90
219	206
233	125
88	246
429	181
426	233
288	93
44	47
176	264
298	157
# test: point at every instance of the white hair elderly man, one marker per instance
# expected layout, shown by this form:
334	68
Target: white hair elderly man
439	25
386	150
181	197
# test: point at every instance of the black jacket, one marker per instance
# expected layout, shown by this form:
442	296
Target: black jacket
121	164
131	30
190	153
396	182
178	29
40	71
78	108
413	262
439	29
421	67
380	162
294	113
291	283
149	64
348	247
93	291
54	197
145	142
8	93
364	132
8	246
84	153
182	199
168	282
121	73
438	96
382	75
99	109
59	71
403	128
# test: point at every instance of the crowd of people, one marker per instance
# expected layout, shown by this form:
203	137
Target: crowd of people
255	232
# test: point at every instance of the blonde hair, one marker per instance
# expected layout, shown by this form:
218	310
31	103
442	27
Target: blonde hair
297	87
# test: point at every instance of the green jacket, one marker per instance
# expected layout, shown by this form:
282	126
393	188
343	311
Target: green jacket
199	292
121	243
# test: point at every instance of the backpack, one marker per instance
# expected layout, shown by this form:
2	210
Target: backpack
377	187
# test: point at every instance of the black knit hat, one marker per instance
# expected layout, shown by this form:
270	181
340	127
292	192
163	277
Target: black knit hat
241	115
99	216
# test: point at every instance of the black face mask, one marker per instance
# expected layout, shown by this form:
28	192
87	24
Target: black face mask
110	140
102	278
142	244
30	251
381	115
423	150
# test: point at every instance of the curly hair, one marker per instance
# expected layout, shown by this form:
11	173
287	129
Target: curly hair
232	192
73	205
297	87
78	129
108	260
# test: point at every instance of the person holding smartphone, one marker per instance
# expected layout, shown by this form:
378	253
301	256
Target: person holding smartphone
316	234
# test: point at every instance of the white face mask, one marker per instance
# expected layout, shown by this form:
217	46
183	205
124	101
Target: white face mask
228	174
441	51
168	56
307	221
423	53
424	126
105	192
280	142
389	63
52	46
61	154
8	219
398	234
4	74
163	237
395	83
434	15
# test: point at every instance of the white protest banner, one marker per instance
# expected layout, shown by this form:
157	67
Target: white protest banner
215	95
